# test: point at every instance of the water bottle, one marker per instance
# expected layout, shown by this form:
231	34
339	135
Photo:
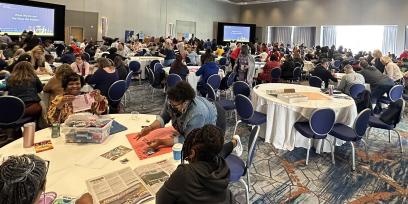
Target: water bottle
323	86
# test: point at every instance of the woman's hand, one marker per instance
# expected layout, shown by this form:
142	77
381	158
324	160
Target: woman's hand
97	95
85	199
146	130
66	99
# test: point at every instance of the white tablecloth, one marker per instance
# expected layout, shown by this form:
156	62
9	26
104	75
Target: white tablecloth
192	79
144	61
44	78
259	67
282	116
308	66
67	174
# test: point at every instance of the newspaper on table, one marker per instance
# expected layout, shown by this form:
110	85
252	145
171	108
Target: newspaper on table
127	186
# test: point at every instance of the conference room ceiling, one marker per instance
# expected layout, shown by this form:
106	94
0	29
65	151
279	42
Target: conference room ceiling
244	2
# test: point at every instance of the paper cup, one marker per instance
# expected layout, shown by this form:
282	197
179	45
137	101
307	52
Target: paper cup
177	151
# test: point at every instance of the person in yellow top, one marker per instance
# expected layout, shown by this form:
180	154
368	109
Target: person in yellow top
61	107
219	51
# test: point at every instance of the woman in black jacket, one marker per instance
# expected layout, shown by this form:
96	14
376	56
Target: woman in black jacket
287	68
207	171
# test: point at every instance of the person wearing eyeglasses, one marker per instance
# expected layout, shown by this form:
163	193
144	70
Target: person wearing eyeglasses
186	111
23	179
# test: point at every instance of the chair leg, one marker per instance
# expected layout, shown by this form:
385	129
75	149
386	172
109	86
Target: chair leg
248	180
389	136
307	153
236	126
353	155
365	147
368	132
400	140
152	93
246	190
333	148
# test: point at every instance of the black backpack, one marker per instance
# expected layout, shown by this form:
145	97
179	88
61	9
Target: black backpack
363	101
392	115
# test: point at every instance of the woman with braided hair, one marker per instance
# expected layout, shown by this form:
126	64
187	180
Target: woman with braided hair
207	172
23	179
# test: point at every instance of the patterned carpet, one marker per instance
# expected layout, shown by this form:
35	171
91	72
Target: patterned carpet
281	176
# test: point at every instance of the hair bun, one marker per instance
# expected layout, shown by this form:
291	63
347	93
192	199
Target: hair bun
16	169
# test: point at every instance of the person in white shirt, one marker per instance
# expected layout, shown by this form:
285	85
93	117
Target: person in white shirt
123	50
391	69
350	78
80	66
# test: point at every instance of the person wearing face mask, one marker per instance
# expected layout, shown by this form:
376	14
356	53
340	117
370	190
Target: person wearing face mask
187	112
61	107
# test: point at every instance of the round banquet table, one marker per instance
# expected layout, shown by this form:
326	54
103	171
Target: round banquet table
144	61
281	116
191	78
68	171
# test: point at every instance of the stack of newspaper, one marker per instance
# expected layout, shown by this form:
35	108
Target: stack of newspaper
131	186
292	97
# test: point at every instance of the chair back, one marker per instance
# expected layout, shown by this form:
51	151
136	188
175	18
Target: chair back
157	66
396	92
322	121
231	79
210	92
222	61
361	123
150	76
172	80
241	87
215	81
244	106
134	66
129	79
356	89
11	109
117	90
253	137
87	56
153	62
276	74
297	72
315	81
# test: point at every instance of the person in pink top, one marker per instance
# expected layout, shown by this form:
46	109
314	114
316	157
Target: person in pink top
404	55
81	66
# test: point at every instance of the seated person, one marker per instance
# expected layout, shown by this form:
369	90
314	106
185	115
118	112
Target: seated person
103	78
68	57
391	69
81	66
23	179
186	111
61	107
38	61
179	68
208	170
287	68
322	72
122	68
54	85
24	84
205	71
350	78
266	72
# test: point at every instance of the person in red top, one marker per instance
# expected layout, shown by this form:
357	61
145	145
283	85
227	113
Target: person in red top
76	49
404	55
234	54
273	63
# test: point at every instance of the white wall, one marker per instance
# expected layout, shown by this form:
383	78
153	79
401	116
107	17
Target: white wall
152	16
330	12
